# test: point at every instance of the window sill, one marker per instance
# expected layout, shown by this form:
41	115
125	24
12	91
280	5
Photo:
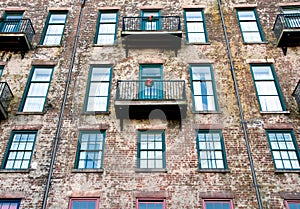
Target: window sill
14	170
104	45
48	46
198	43
151	170
96	113
87	170
275	112
287	171
30	113
250	43
213	170
206	112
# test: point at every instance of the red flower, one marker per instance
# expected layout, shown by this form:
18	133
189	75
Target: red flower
149	82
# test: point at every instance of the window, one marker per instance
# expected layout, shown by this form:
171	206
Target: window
37	88
211	150
203	88
292	16
11	22
20	149
284	149
107	27
84	203
292	204
249	25
151	20
98	90
151	204
151	149
267	88
195	26
217	204
9	203
90	150
153	90
1	70
54	28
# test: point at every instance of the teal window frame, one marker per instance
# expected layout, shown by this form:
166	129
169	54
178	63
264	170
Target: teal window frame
10	203
32	86
153	24
11	26
270	95
150	203
102	91
57	31
207	89
210	150
253	24
155	91
107	25
19	149
90	150
151	152
217	204
284	149
198	29
90	203
1	70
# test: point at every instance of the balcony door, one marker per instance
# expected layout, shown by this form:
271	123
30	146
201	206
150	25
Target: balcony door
292	16
11	22
150	20
151	86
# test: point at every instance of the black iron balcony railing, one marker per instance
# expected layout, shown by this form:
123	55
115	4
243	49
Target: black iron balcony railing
160	23
18	26
151	90
5	98
296	94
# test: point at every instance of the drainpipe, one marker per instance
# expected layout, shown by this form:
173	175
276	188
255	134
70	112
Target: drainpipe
258	197
62	108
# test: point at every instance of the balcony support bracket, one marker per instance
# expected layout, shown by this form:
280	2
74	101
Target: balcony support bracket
284	50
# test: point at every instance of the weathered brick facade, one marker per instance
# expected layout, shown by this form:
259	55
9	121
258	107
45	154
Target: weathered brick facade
119	183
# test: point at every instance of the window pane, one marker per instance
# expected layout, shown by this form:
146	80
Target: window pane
262	73
41	74
108	17
58	18
249	26
196	37
194	16
34	105
246	15
251	37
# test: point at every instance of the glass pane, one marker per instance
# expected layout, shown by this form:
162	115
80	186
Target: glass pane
278	164
249	26
99	89
274	145
151	164
159	164
34	105
270	103
41	74
252	37
143	155
25	164
55	30
52	40
107	28
266	88
38	89
144	145
100	74
58	18
246	15
193	16
276	155
287	164
143	163
219	164
108	17
196	37
201	73
97	104
262	73
151	72
195	27
295	164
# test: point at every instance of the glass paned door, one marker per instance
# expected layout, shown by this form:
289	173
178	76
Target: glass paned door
151	86
12	21
150	20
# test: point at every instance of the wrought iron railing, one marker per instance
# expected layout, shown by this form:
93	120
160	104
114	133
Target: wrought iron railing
160	23
286	21
151	90
5	95
296	94
18	26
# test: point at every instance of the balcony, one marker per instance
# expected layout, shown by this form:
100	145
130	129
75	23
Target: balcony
162	32
140	99
5	98
296	94
287	30
16	35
